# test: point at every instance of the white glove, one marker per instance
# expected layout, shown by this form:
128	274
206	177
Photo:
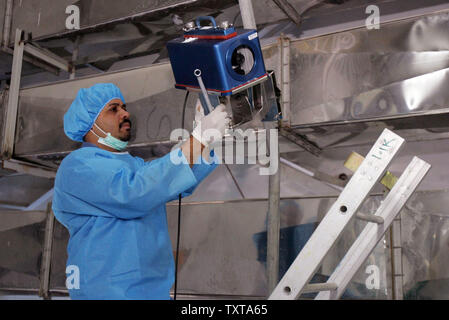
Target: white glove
212	127
199	113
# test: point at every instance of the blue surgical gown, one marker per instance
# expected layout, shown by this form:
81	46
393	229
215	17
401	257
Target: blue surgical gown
113	205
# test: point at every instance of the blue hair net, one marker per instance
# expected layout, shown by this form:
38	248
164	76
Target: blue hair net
86	107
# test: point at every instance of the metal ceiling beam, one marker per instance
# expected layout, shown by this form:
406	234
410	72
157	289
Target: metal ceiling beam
35	62
289	10
27	168
247	12
15	219
47	56
301	141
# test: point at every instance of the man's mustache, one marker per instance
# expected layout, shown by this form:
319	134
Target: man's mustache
125	121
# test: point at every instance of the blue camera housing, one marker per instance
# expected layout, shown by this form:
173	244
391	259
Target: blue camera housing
210	50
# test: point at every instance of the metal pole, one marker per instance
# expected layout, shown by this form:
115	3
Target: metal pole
7	23
13	98
273	226
246	9
46	254
75	56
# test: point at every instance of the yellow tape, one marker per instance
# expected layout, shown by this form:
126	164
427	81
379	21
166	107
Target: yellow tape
355	160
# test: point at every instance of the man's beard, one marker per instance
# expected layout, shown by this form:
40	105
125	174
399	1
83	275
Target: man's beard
127	137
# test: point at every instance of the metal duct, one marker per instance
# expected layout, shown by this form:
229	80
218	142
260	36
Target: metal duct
35	16
149	93
344	78
362	75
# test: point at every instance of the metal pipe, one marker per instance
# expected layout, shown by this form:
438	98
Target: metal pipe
247	12
13	98
235	181
222	202
273	225
316	175
197	74
34	61
46	254
7	23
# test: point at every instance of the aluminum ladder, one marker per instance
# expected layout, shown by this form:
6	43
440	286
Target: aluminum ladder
371	170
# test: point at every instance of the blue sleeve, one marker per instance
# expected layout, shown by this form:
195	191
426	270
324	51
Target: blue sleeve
201	169
107	187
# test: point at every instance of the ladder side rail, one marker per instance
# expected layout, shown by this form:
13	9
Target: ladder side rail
329	230
373	232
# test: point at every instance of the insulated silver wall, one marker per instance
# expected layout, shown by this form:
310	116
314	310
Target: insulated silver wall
400	70
359	80
155	105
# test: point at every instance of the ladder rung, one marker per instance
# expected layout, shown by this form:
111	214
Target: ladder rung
370	218
316	287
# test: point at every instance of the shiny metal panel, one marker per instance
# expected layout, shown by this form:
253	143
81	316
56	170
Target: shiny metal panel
20	256
226	256
424	233
363	74
152	100
423	95
331	18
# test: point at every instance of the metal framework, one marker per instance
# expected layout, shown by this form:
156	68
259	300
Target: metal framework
7	145
9	132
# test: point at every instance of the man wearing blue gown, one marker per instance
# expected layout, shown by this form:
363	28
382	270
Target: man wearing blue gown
113	204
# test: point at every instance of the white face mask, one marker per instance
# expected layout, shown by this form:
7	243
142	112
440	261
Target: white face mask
110	140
